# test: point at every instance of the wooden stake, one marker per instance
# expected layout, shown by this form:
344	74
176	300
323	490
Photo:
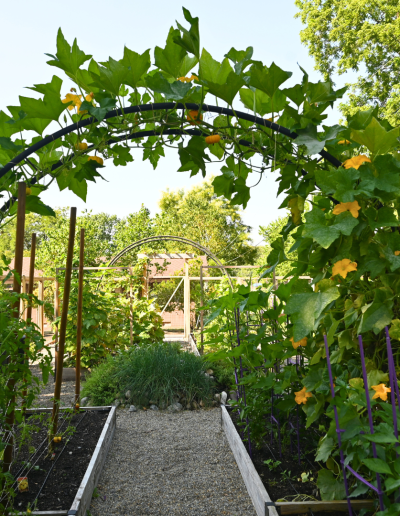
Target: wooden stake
63	324
56	314
202	311
131	308
31	277
41	307
79	318
29	308
19	254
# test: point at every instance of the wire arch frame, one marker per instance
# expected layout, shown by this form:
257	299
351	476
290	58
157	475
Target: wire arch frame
170	238
141	134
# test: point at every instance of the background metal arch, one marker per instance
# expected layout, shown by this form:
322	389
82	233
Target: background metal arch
172	238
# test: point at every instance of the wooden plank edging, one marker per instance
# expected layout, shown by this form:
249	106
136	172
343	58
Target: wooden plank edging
258	494
83	497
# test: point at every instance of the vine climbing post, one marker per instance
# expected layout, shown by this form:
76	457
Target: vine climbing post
186	302
19	254
63	324
79	317
130	306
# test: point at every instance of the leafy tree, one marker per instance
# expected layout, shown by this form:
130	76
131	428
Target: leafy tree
99	232
357	35
211	221
271	233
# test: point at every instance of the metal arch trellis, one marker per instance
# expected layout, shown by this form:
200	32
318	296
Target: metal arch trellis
182	240
141	134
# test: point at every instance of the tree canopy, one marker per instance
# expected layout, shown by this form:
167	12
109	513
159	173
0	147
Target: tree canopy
359	35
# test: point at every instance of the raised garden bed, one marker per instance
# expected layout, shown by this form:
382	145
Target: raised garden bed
257	476
64	485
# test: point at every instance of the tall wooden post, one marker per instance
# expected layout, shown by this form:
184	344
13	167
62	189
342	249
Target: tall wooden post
56	314
63	324
79	318
186	302
22	304
19	254
131	306
29	308
202	311
41	307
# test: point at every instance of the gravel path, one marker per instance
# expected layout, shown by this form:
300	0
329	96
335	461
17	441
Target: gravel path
171	464
45	398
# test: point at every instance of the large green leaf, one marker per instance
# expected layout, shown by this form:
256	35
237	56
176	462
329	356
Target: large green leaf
325	449
330	487
50	107
378	315
192	156
323	92
20	121
267	79
67	58
378	466
169	59
100	111
111	76
241	58
176	90
376	138
311	139
261	103
316	227
306	308
190	40
219	78
340	183
35	205
137	65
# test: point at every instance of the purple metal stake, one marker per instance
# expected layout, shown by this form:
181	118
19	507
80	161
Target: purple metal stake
392	380
346	486
371	424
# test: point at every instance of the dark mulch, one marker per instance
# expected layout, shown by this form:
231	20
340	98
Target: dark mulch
283	480
72	459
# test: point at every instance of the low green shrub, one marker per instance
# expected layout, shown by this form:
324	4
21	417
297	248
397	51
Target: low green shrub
159	374
102	385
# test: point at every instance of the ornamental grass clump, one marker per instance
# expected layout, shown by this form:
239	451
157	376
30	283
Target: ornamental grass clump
158	374
162	375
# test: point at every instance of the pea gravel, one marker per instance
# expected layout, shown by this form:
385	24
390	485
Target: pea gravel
170	464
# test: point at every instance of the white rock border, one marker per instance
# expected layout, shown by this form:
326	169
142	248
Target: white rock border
84	494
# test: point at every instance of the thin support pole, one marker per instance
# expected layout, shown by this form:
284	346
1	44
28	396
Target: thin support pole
19	254
63	325
130	307
30	302
186	302
79	318
56	314
41	307
202	311
22	304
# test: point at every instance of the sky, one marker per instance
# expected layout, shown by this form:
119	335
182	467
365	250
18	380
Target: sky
102	29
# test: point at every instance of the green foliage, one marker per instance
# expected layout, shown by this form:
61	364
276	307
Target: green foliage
158	373
106	317
365	35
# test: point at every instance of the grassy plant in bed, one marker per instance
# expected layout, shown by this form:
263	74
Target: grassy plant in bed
159	374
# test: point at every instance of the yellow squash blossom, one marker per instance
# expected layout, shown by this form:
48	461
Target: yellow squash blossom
188	79
301	396
77	101
356	162
97	159
352	207
381	391
302	342
343	267
397	253
344	142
